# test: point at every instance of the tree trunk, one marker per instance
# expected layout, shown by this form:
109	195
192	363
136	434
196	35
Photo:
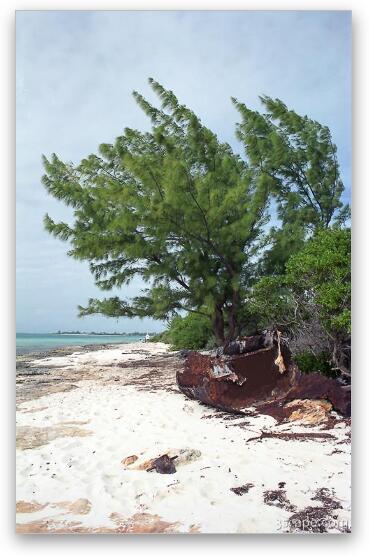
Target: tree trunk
232	325
341	356
232	318
218	325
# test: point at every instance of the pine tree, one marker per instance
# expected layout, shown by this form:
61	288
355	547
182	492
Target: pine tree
174	206
178	208
297	158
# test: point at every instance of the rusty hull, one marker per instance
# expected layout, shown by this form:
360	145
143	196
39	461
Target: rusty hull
233	382
254	378
315	386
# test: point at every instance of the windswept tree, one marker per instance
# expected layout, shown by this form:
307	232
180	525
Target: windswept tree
297	158
174	206
178	208
304	285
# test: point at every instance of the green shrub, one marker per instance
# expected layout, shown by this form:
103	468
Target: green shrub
161	337
320	276
308	362
191	332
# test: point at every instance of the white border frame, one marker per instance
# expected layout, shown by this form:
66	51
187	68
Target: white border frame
181	544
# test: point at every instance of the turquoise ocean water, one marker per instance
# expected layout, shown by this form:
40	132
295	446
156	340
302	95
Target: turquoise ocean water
28	343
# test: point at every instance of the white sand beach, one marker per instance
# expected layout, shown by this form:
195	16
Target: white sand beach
88	426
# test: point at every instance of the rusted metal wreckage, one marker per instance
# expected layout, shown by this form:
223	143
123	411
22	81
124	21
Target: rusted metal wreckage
257	371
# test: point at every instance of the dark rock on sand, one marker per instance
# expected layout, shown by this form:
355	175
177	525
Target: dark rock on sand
164	464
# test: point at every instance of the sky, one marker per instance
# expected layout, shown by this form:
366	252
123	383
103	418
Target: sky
75	74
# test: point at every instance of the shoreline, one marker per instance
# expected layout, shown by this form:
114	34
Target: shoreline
65	350
91	421
33	351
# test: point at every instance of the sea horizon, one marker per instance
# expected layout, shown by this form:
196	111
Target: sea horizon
81	333
30	342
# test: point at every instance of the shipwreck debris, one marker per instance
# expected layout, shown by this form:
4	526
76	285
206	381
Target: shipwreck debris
258	371
308	412
232	381
317	386
280	361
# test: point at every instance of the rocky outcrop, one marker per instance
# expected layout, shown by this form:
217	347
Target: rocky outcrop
256	371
